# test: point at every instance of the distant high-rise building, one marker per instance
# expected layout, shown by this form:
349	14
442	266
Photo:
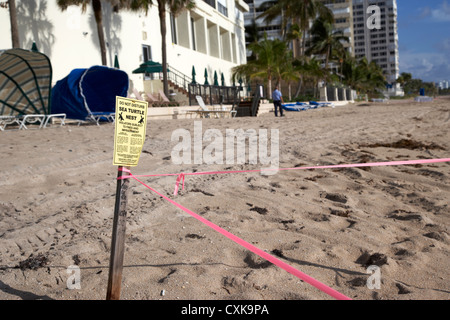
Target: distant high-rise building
272	29
444	84
343	20
342	11
376	36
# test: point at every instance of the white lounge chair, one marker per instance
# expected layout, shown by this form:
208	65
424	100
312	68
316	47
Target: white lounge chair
8	120
218	112
51	117
31	119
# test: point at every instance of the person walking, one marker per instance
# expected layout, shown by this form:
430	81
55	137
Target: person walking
277	98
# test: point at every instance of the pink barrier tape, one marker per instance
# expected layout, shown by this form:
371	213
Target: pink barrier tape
181	176
331	292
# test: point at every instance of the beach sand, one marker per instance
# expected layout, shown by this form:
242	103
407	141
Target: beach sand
57	194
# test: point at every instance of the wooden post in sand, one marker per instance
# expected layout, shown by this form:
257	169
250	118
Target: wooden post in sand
118	236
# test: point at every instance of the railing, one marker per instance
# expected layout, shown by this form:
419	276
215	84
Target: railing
214	94
178	78
255	101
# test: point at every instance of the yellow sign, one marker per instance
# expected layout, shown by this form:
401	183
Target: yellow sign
131	122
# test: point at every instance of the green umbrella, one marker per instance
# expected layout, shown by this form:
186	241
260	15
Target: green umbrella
216	83
223	80
193	75
34	47
206	77
116	62
240	82
149	67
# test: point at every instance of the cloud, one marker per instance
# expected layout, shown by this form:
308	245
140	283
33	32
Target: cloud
442	14
439	14
429	66
444	46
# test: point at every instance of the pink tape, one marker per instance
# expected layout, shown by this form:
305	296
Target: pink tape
373	164
181	177
331	292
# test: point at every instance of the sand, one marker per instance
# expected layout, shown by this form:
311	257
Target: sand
57	194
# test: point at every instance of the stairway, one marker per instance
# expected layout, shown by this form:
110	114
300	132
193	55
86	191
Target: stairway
182	94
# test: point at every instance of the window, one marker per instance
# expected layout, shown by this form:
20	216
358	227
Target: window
193	34
222	7
173	27
146	56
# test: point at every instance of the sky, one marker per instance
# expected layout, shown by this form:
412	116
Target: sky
424	38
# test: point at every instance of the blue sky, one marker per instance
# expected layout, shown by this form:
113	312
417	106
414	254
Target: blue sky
424	38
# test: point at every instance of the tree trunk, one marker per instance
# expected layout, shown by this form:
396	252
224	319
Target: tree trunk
97	7
162	23
269	82
14	27
327	58
303	50
299	87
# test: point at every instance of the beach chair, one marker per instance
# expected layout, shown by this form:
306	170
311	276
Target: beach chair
57	116
217	111
99	116
295	107
228	111
320	104
166	100
154	102
8	120
31	119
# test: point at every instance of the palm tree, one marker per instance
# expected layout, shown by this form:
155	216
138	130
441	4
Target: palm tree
175	7
269	63
314	72
296	13
13	21
326	41
289	72
97	9
363	76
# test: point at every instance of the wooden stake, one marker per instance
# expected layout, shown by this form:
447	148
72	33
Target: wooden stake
118	236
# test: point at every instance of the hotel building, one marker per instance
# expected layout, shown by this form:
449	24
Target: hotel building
210	37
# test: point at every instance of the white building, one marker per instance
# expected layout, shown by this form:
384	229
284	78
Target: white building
444	84
377	38
210	37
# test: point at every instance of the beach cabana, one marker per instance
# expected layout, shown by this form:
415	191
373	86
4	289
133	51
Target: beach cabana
85	92
25	83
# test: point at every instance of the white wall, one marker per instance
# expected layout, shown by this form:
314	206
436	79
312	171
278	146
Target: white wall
69	38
